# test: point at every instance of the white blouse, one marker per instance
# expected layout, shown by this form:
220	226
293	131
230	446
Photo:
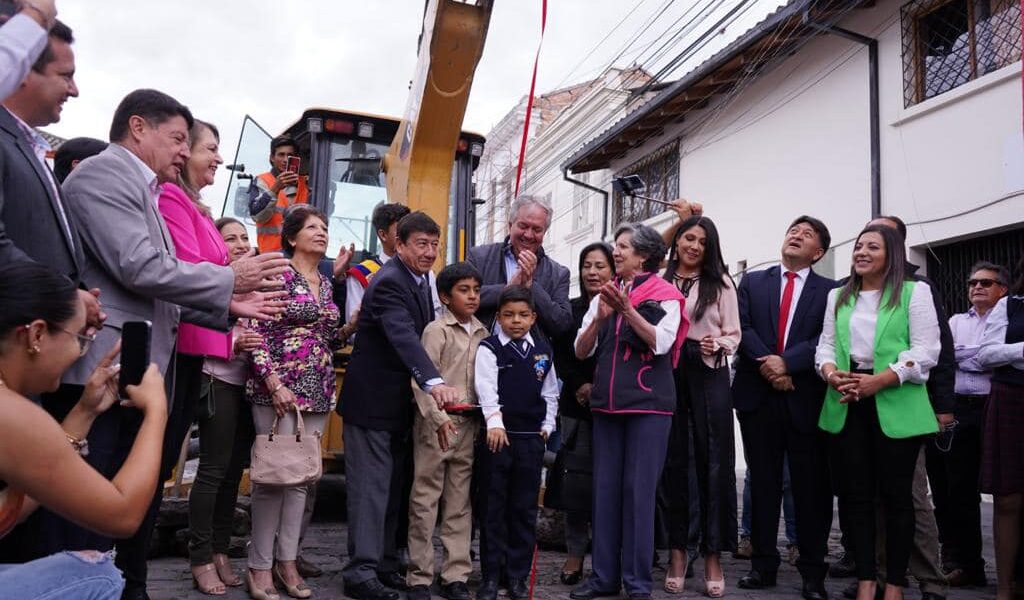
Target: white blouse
911	365
664	332
995	352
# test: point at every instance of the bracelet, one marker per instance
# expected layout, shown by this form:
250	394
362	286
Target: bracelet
80	446
828	379
276	389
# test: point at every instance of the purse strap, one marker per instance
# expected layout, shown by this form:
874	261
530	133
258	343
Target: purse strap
300	426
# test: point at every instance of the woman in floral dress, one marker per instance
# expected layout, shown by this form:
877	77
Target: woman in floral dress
293	367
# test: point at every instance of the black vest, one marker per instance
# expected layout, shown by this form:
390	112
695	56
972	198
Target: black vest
1008	374
629	377
520	380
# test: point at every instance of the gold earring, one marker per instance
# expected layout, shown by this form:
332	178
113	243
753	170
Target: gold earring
34	350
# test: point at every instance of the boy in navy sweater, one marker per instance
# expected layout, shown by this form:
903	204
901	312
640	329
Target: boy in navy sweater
518	394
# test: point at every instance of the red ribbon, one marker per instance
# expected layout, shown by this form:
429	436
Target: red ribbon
529	102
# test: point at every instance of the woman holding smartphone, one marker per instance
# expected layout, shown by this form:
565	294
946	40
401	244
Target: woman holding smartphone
879	340
42	333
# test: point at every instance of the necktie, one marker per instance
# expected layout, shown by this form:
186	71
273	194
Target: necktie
524	346
787	301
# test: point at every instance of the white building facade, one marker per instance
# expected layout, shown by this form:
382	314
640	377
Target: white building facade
778	125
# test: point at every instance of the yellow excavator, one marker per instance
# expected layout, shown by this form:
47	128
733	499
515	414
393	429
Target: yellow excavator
354	161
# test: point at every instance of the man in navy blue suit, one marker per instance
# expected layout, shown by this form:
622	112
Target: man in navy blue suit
778	398
376	405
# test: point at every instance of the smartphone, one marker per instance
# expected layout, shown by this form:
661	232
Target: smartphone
293	164
135	339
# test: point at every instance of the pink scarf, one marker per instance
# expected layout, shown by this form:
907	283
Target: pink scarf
657	289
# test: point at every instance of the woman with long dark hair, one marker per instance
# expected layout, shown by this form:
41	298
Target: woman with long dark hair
1002	472
596	268
879	340
703	405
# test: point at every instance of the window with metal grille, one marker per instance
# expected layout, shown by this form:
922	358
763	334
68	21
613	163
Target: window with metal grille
581	204
949	266
660	172
947	43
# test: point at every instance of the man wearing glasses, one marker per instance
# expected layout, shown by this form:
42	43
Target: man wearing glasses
959	458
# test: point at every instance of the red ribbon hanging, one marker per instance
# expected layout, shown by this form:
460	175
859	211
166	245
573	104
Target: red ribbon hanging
529	101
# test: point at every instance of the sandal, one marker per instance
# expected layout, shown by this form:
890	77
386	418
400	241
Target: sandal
572	577
674	585
207	581
714	588
225	571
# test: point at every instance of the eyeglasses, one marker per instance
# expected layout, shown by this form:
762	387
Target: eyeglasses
985	283
84	341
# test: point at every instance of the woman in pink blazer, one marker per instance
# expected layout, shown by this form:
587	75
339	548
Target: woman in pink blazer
196	239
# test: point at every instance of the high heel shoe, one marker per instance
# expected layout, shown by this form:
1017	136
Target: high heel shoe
207	581
675	585
714	588
256	594
223	564
295	591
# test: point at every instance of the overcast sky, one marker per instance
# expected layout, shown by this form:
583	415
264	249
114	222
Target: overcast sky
272	60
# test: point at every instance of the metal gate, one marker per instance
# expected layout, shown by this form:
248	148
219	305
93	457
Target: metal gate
949	265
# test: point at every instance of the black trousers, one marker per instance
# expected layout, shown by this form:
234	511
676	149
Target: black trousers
187	381
704	411
509	486
866	465
769	437
225	441
954	476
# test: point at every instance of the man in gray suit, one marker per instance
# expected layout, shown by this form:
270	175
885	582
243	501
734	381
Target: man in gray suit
130	256
520	260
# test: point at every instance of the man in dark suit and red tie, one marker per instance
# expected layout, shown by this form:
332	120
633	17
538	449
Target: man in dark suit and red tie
778	398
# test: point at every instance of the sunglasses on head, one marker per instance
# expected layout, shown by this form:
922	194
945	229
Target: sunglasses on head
985	283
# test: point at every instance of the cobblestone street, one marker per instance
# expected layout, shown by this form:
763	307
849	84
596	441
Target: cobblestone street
325	546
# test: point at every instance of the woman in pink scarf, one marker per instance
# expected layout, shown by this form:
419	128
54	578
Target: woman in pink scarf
635	327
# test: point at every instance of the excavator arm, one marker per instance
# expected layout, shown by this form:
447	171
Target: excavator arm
419	163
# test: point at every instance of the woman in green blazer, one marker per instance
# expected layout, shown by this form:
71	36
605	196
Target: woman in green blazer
879	340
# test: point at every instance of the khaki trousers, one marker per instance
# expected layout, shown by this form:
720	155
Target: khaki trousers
441	477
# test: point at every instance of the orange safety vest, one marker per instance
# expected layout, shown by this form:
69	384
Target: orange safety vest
268	233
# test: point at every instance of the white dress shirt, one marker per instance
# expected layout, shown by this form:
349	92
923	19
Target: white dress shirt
486	373
798	288
971	378
150	176
912	364
22	40
995	352
664	332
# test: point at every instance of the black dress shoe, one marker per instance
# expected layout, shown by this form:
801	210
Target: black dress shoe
369	590
392	580
957	577
756	580
517	588
455	590
588	591
814	590
418	592
488	590
843	567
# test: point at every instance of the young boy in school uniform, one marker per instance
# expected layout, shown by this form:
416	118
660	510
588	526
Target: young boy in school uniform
518	394
444	439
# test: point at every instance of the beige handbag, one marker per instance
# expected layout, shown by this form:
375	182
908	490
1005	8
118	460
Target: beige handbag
286	460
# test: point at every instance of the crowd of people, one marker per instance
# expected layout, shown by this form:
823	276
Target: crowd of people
860	389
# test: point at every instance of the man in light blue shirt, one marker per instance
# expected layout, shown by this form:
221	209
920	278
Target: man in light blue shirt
955	458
